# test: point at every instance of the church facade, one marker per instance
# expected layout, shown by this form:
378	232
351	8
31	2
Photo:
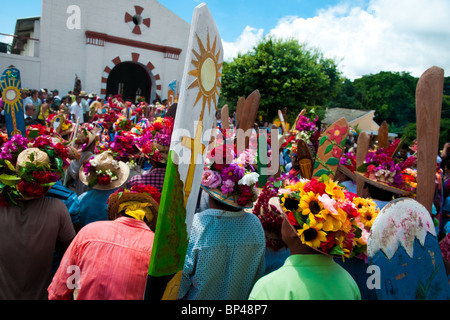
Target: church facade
133	48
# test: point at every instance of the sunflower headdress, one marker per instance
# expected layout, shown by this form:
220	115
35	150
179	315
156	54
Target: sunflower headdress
326	217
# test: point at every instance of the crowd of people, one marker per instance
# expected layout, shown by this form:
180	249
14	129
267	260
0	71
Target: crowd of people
80	192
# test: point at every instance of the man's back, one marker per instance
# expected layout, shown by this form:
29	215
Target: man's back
225	256
113	259
307	277
28	235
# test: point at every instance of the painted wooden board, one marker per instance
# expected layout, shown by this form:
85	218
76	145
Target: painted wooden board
247	119
282	121
197	106
10	86
429	93
331	144
363	147
383	135
224	116
404	250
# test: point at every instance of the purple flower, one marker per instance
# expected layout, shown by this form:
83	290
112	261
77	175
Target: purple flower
233	172
211	179
227	186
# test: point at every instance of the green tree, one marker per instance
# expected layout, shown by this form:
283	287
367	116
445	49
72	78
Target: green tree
286	73
391	95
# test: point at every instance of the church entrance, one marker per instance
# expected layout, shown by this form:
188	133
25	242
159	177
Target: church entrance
129	79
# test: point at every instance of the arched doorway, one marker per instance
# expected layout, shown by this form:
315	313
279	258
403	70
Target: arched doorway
129	79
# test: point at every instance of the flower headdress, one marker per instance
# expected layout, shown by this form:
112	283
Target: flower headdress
155	141
325	216
124	148
230	179
103	172
29	168
308	129
382	169
140	202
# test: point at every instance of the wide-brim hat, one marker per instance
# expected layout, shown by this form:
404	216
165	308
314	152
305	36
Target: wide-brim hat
104	161
381	185
34	156
230	200
85	138
116	199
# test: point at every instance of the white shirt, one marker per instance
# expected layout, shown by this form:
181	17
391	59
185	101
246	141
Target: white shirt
77	111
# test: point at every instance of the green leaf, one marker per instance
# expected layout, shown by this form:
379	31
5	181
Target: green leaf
316	164
9	180
321	172
93	182
59	163
328	148
337	250
362	168
332	162
322	140
10	166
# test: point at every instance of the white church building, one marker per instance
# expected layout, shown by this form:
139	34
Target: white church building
132	47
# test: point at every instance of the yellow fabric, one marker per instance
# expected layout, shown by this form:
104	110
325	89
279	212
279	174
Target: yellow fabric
137	210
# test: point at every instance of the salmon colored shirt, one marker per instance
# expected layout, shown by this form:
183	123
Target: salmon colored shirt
110	259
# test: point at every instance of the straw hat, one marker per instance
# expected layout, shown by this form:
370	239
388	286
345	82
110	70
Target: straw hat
117	198
32	155
85	137
104	163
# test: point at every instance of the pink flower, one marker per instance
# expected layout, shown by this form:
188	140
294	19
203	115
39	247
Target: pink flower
227	186
211	179
328	203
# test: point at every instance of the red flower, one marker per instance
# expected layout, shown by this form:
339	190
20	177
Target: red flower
329	244
103	179
336	133
315	186
43	177
336	152
246	195
30	189
292	219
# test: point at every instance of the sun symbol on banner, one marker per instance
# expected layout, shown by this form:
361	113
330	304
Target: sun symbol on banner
12	98
207	73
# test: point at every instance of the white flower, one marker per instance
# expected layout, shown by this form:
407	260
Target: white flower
249	179
115	164
93	163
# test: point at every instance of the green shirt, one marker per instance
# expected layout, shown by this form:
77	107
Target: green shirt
307	277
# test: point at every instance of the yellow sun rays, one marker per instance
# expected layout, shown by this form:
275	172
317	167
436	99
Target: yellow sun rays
11	94
207	73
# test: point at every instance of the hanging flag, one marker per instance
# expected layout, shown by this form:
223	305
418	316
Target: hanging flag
197	106
172	93
11	86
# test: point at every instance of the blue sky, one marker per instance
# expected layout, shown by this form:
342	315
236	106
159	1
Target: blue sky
362	36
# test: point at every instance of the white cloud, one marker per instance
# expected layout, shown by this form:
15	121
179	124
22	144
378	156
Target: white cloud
246	41
385	35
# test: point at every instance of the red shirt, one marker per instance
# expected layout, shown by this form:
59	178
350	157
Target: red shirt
110	259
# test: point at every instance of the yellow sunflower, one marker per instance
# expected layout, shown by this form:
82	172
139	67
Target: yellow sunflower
310	203
312	234
332	222
368	216
334	190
